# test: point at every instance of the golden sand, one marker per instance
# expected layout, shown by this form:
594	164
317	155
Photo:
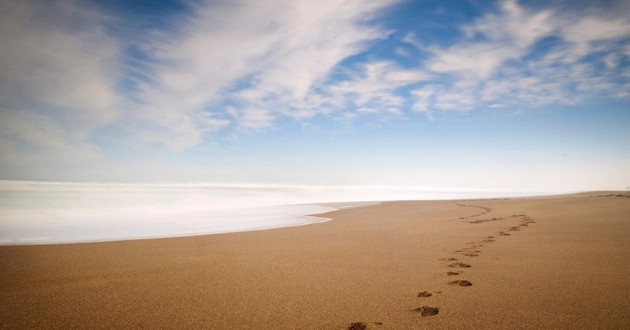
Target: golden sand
528	263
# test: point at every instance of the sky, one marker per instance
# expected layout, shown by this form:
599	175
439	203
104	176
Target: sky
463	94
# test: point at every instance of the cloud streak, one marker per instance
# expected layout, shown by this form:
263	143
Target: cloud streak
58	76
242	66
499	61
265	58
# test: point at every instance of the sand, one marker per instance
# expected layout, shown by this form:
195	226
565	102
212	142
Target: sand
557	262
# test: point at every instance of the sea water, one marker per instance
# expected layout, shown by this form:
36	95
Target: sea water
57	212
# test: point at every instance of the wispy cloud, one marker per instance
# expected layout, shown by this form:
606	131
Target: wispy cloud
39	135
58	76
246	65
375	85
266	57
506	35
499	60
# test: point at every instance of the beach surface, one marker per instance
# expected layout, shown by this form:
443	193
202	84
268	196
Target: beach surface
553	262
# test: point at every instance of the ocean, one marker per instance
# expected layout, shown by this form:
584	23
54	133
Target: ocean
60	212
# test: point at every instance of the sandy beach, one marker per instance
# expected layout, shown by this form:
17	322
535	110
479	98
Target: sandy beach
554	262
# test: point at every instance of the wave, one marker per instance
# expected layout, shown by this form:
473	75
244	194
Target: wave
61	212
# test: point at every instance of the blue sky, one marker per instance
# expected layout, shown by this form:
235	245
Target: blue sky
500	95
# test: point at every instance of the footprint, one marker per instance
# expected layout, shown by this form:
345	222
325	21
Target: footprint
459	265
357	326
427	311
449	259
460	283
424	294
471	254
453	273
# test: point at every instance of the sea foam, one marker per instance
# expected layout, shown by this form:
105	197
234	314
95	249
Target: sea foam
56	212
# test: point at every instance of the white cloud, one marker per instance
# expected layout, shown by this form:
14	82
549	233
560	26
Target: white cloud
29	136
589	30
477	61
432	97
368	110
59	68
513	25
375	86
423	98
184	129
244	65
252	118
612	60
497	61
454	100
506	35
57	55
271	53
346	116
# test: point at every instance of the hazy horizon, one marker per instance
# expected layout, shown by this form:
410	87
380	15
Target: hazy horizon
49	213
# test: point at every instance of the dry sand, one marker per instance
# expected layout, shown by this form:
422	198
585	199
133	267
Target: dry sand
564	265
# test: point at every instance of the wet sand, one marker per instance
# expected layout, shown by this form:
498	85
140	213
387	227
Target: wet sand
558	262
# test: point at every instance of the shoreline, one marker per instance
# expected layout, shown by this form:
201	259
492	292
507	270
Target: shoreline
535	262
314	222
335	206
66	212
